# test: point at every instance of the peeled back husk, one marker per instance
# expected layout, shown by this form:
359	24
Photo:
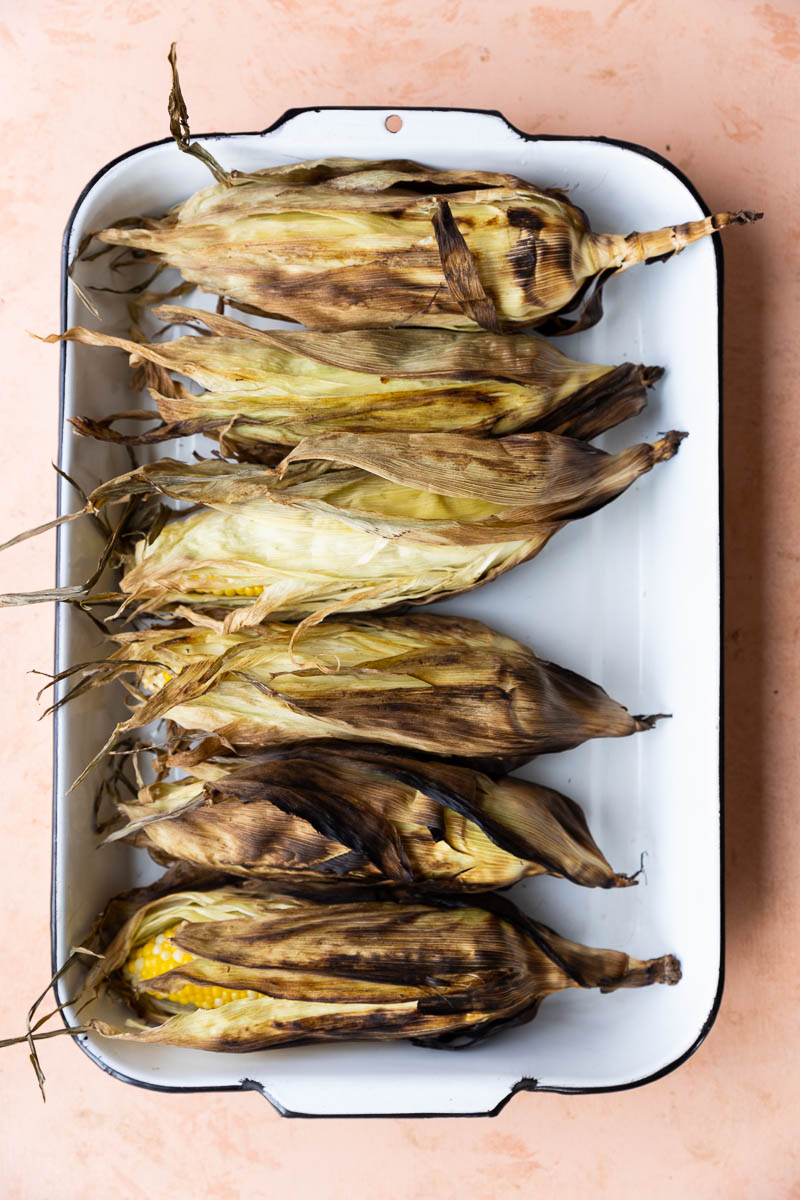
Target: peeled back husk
364	815
265	390
343	244
248	969
357	522
441	685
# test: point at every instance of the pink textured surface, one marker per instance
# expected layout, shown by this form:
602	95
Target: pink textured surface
714	87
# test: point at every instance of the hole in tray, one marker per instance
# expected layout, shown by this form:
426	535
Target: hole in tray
394	123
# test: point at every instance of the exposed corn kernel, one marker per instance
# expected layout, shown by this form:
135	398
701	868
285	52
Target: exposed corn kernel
255	590
160	955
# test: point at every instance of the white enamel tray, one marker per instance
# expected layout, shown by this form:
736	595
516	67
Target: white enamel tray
629	597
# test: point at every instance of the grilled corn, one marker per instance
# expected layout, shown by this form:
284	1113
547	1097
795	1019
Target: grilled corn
237	970
363	814
442	685
268	389
359	522
343	244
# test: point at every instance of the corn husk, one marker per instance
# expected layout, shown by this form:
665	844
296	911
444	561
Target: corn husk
343	244
346	522
266	390
359	522
441	685
443	975
340	243
363	814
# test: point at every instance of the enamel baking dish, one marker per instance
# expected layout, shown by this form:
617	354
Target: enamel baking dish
629	596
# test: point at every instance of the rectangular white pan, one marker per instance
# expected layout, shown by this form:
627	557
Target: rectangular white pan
629	597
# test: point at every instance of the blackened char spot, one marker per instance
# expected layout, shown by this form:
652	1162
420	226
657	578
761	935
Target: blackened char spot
429	187
523	258
525	218
406	970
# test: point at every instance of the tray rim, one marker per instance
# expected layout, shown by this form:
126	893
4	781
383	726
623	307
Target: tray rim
525	1083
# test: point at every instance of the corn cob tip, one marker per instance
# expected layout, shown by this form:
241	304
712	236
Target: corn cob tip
616	252
666	970
650	375
667	446
643	723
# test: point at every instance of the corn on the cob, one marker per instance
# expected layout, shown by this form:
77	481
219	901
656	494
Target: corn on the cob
152	958
364	814
339	243
442	685
268	389
241	969
358	522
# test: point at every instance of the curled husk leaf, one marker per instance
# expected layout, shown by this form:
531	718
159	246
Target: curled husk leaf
363	813
265	390
357	522
343	244
443	685
244	968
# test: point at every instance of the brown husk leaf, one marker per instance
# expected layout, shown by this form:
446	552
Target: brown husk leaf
445	974
366	813
444	685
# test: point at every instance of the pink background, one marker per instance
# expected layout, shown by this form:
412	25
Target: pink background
714	86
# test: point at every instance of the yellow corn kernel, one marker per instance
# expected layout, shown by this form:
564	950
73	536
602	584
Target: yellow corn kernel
160	954
255	590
